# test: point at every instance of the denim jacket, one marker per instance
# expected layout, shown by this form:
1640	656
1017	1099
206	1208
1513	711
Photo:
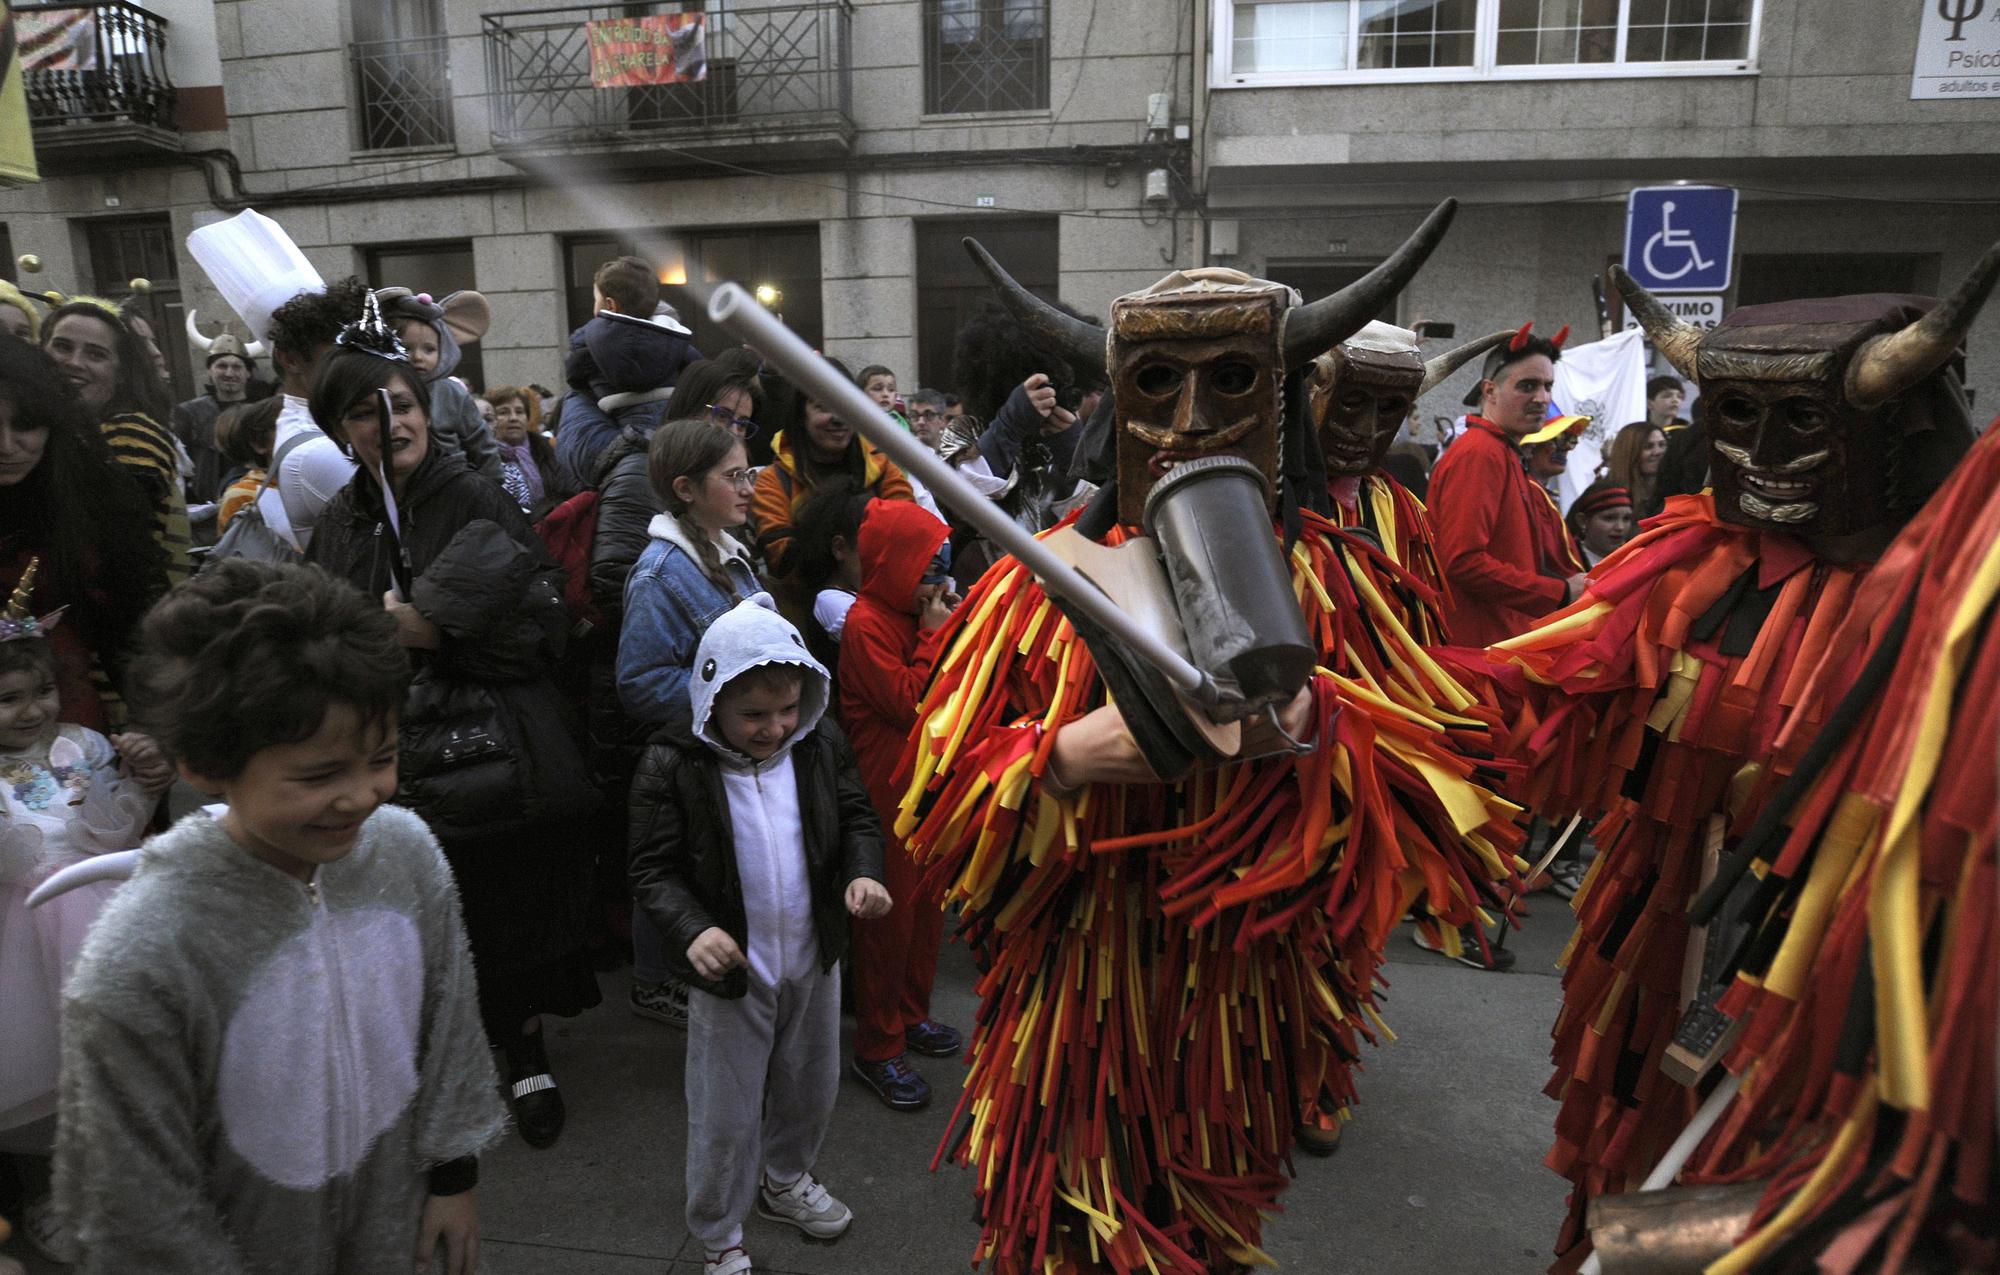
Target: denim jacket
669	604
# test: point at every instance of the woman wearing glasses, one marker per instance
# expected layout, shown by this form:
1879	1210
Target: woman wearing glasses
667	503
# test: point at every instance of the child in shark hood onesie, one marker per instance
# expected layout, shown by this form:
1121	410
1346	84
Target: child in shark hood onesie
769	839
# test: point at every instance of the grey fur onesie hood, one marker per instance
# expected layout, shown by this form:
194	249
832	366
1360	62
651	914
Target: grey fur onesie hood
258	1074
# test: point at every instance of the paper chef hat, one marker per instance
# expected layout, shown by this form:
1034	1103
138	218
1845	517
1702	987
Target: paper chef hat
254	265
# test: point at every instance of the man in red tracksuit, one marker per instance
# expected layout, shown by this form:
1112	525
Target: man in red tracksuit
1490	520
886	651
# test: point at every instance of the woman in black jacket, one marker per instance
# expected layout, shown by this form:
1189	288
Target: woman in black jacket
488	754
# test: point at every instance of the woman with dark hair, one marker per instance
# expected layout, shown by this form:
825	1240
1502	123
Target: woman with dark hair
113	375
488	756
822	448
66	504
1633	462
691	571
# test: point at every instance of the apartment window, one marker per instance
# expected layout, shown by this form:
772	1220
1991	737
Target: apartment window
985	55
402	75
1363	41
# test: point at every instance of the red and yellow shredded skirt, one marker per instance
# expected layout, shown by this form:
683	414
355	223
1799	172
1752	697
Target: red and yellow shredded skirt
1174	965
1870	980
1656	698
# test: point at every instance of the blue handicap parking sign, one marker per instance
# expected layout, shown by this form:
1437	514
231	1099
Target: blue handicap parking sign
1681	238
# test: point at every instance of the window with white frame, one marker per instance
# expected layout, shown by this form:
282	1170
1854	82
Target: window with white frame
1329	41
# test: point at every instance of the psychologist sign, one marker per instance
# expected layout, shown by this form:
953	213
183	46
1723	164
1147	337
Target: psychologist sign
1958	50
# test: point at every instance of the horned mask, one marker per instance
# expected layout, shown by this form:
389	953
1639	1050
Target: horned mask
1816	411
1197	361
1360	392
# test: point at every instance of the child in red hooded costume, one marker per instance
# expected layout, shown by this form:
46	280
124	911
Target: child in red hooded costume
886	652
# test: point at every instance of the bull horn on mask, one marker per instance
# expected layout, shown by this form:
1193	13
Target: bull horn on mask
1312	330
1438	369
1081	343
1675	338
1887	365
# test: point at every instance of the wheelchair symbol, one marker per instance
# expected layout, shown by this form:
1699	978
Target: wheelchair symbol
1668	237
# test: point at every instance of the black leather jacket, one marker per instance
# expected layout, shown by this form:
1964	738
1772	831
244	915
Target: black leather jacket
684	853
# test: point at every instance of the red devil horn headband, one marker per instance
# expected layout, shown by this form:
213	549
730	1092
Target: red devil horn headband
1558	339
1519	340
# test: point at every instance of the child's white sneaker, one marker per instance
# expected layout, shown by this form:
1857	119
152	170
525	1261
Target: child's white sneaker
733	1262
806	1205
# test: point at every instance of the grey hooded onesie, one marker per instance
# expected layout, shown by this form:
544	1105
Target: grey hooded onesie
258	1074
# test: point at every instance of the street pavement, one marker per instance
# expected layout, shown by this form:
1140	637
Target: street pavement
1440	1171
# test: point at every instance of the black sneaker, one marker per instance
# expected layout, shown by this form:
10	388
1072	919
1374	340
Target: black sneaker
895	1082
933	1039
1472	952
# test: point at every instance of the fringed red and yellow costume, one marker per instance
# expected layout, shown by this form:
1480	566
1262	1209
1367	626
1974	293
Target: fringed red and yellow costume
1391	512
1871	976
1172	963
1657	699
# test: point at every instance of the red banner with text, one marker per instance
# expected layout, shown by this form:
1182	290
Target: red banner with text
667	48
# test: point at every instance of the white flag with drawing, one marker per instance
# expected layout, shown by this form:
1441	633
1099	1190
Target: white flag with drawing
1606	381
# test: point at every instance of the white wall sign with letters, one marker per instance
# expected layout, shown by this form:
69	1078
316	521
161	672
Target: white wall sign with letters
1958	50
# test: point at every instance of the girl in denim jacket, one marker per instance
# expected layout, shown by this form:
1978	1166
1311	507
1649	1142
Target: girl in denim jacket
691	571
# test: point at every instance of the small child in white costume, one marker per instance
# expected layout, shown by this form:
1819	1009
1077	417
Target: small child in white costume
63	798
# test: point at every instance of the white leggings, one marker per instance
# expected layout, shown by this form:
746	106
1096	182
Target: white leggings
762	1074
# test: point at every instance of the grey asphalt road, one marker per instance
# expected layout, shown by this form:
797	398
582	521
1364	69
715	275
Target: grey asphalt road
1440	1171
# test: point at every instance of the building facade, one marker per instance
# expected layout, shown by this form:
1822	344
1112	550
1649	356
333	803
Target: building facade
838	150
1331	125
835	151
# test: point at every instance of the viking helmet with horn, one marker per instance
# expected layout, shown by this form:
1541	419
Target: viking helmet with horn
215	347
1830	417
1360	391
1197	361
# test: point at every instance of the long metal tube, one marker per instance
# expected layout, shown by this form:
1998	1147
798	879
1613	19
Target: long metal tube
739	314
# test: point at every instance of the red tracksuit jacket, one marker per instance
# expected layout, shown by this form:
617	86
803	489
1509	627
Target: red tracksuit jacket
1500	541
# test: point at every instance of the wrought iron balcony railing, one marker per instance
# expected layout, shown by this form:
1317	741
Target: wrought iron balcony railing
95	63
403	92
777	68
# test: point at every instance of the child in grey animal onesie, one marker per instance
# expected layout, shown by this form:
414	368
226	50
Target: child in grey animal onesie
752	844
272	1054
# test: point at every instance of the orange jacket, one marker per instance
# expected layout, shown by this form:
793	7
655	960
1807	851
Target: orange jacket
783	487
1500	541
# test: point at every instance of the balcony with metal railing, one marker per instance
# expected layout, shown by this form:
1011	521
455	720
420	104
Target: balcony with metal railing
96	80
774	81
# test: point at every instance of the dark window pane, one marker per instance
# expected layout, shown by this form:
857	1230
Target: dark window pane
1644	44
1722	12
1648	12
1520	13
1728	43
1684	44
1515	48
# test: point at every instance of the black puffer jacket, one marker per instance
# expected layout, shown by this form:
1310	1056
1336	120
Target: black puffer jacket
626	503
684	855
487	740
